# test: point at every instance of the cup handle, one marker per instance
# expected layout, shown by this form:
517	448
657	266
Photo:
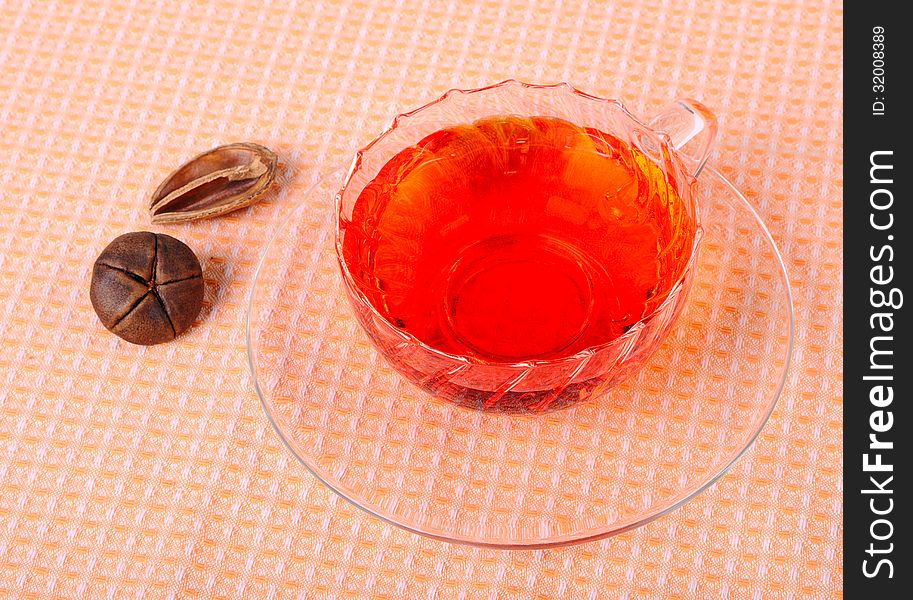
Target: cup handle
688	123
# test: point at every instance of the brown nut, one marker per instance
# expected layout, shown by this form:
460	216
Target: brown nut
147	287
216	182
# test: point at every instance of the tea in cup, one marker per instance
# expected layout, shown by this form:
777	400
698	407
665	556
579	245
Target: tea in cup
520	247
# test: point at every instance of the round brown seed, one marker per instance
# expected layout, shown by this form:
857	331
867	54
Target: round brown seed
147	287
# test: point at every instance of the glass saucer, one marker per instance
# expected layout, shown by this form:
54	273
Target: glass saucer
595	469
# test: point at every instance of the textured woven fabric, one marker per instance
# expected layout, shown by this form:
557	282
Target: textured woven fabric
130	471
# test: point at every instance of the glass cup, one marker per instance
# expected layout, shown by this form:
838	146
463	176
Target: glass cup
494	344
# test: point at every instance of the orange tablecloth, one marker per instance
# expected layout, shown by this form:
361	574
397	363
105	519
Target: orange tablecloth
152	472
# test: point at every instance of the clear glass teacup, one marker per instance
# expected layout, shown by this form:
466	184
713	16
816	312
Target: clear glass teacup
522	247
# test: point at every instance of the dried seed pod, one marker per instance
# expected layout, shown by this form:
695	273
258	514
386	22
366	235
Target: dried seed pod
147	287
214	183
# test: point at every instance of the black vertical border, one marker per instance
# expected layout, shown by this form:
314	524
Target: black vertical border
864	133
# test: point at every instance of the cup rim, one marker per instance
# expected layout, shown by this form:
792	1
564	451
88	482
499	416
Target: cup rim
626	338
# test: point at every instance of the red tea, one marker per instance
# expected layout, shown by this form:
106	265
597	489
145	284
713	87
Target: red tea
517	238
